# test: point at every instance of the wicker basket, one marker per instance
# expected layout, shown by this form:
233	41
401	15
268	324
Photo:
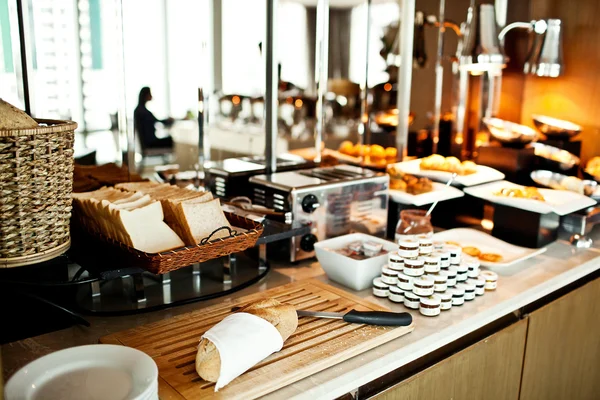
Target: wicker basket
36	179
98	246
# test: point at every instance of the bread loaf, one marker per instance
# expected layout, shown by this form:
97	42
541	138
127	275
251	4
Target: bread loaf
282	316
13	118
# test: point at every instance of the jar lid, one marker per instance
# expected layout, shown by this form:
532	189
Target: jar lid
489	276
413	262
448	274
396	290
456	291
431	301
424	240
424	281
476	281
453	270
432	258
443	296
411	296
404	277
472	262
443	254
452	249
378	283
409	244
466	286
461	268
395	257
386	271
439	278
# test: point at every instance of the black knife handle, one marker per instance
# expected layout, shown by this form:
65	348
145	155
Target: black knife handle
382	318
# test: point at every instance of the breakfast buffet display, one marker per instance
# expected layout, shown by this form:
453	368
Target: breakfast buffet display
408	183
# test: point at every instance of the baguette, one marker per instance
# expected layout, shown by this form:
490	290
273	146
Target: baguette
282	316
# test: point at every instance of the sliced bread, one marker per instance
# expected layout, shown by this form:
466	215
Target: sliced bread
199	220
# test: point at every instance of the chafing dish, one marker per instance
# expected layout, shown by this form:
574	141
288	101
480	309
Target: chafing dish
554	180
562	158
554	127
510	132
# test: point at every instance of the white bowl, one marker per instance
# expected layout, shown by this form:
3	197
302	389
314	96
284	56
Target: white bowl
355	274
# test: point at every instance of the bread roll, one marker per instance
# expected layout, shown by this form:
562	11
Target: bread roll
282	316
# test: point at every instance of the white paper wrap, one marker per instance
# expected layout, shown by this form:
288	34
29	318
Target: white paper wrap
243	340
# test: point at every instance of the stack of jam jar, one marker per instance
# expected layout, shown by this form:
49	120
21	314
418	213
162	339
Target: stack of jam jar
431	276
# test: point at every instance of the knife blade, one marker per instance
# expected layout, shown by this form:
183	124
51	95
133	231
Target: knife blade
382	318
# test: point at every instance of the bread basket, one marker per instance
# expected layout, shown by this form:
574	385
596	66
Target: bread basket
36	180
88	243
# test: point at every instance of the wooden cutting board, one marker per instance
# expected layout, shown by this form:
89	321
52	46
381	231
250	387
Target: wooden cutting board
317	344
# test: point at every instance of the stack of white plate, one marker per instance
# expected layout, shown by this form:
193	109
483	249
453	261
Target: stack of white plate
95	372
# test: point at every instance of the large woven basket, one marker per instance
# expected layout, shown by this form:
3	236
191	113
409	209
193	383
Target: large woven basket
88	243
36	180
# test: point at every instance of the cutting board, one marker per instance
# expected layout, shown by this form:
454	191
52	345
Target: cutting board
317	344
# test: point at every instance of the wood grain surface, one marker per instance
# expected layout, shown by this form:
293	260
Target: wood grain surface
317	343
490	369
562	357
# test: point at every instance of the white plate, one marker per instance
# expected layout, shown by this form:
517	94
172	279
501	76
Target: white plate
561	202
488	244
94	372
483	175
440	192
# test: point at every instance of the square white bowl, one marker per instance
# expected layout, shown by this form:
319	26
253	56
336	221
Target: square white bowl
355	274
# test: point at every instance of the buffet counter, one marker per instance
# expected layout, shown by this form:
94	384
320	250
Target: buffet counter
518	286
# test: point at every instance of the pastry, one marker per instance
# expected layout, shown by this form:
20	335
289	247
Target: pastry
490	257
437	162
472	251
282	316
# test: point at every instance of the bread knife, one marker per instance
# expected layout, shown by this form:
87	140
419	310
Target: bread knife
381	318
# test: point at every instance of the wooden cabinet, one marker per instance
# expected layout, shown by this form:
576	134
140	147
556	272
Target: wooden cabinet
562	356
489	369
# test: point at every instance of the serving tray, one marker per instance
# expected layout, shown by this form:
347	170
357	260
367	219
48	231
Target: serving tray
316	345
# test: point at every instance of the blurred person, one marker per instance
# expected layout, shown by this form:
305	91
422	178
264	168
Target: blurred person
144	123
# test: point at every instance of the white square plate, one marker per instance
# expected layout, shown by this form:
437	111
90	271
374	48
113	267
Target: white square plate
561	202
510	253
440	192
483	175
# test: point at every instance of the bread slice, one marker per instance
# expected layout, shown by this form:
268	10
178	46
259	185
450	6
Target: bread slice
139	186
170	207
13	118
199	220
146	229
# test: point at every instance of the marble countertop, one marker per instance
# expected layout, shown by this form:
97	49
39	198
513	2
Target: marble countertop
518	286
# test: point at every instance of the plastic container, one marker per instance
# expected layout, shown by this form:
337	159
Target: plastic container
455	254
405	282
469	290
491	279
458	296
380	289
440	283
411	300
423	286
396	294
414	267
395	261
389	276
431	264
425	245
430	306
450	275
445	300
479	285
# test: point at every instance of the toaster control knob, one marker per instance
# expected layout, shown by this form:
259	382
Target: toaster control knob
310	203
307	243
